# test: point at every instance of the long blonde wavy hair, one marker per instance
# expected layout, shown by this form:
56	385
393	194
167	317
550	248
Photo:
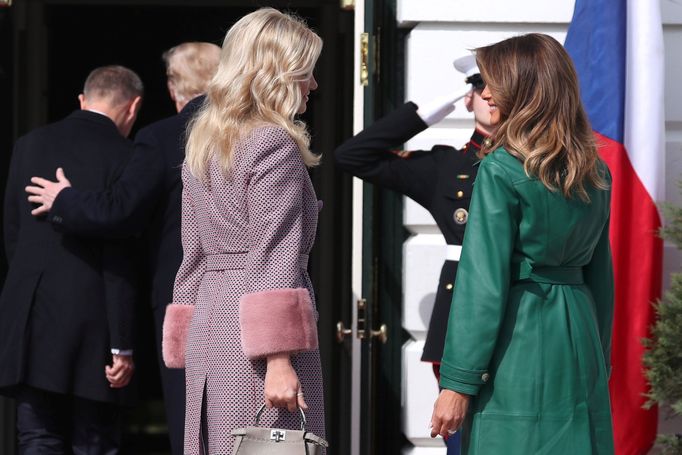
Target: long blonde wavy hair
542	121
265	57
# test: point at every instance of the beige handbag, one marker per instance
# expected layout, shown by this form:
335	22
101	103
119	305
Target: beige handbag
276	441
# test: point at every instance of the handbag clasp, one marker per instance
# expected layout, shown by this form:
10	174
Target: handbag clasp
278	435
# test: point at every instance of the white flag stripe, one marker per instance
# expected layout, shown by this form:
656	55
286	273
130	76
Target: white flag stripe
644	86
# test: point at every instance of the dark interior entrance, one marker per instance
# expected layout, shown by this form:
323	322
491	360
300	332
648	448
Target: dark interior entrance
48	47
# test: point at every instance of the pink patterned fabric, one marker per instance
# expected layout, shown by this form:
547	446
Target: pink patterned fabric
277	320
258	222
175	328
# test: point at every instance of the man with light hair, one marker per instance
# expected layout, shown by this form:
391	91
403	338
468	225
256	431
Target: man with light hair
67	306
189	68
146	199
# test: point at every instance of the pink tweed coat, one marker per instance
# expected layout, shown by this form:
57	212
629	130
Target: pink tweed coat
243	291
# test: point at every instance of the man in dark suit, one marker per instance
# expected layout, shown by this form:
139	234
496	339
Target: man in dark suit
147	197
67	305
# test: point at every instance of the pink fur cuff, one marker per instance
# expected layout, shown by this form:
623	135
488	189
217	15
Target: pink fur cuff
277	320
175	329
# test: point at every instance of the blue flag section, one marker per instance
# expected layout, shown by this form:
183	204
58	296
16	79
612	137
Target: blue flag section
596	41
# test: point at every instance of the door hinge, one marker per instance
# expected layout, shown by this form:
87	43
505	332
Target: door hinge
364	59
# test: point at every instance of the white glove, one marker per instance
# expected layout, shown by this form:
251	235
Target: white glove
436	110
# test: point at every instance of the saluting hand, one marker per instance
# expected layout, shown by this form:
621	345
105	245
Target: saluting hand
46	192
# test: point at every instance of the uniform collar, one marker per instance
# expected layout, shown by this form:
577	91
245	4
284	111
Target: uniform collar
476	141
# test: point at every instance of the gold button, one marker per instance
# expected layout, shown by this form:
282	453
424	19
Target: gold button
460	194
461	216
462	176
449	286
485	377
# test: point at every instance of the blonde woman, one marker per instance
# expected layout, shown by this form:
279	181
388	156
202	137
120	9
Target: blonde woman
526	358
243	318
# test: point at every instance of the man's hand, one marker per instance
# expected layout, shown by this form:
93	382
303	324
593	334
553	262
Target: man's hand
46	192
121	371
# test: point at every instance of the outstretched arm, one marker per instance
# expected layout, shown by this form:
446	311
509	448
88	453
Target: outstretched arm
121	210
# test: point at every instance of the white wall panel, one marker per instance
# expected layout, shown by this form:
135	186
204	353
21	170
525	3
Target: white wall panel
672	40
671	11
423	257
417	402
424	451
487	11
432	48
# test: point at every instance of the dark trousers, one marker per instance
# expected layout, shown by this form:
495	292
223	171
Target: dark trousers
173	383
54	424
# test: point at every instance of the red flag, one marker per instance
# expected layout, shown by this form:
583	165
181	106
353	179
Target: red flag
617	46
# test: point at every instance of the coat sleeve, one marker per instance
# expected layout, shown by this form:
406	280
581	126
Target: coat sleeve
119	271
483	281
598	276
124	208
369	155
12	210
187	281
276	313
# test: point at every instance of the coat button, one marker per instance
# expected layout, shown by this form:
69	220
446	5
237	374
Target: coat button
449	286
460	194
485	377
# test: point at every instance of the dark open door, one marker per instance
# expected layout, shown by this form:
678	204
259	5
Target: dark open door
375	337
46	62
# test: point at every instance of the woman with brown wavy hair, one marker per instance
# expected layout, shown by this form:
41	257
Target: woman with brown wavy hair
526	358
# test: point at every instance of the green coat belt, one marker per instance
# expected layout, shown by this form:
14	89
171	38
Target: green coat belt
530	325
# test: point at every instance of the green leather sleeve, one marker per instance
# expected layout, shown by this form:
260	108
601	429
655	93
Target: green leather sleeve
483	280
599	278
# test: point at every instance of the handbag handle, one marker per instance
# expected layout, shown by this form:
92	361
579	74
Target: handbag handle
262	409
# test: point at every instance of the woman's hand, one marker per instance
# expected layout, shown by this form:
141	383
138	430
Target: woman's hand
448	413
282	388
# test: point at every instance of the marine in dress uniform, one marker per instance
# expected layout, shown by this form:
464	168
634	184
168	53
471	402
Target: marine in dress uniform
441	180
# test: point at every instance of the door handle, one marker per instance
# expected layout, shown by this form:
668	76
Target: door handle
363	331
381	334
342	332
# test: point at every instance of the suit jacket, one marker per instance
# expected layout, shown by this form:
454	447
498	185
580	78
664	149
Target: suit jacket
146	198
66	301
441	180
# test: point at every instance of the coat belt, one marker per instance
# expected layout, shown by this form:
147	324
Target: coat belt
237	261
545	274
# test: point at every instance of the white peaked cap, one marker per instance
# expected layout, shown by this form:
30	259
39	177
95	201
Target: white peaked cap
466	65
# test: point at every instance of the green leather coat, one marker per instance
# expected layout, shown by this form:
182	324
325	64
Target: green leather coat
530	326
